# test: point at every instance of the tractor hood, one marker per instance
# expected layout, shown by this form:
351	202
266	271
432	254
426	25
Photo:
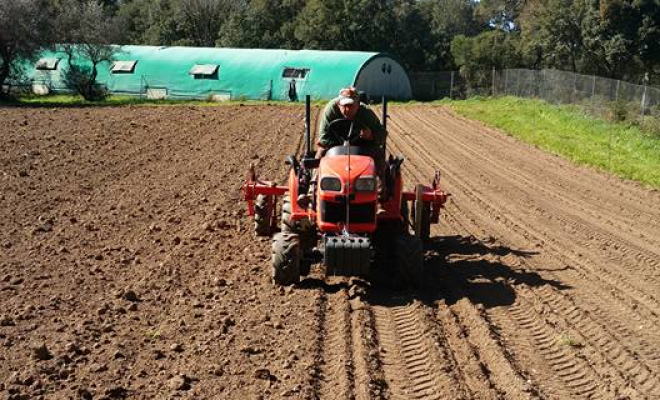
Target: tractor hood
338	166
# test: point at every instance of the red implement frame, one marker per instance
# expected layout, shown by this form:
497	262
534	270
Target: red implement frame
253	187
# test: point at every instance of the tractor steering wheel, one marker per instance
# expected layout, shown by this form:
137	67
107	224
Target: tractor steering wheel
344	130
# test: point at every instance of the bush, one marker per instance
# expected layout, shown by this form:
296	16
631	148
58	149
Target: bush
82	80
651	125
619	111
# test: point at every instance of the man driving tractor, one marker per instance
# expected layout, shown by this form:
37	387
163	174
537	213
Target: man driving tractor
332	210
347	106
372	134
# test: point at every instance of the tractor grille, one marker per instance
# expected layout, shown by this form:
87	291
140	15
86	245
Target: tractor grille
359	213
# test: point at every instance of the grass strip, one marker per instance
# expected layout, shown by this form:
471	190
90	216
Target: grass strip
619	148
64	100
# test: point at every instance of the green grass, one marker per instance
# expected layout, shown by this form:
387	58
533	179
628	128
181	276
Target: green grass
619	148
78	101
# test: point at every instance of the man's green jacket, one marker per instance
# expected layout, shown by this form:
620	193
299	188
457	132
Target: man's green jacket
364	118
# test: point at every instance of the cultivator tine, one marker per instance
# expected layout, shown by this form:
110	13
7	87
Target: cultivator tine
248	189
436	180
252	175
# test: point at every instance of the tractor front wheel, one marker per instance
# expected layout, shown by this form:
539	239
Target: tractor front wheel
286	258
263	215
286	224
307	238
410	258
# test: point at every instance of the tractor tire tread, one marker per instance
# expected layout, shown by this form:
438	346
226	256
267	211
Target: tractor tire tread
286	259
410	258
263	210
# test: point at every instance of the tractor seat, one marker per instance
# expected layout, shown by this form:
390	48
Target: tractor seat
346	150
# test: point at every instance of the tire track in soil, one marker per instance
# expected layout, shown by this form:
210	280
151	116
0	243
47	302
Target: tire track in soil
628	203
337	371
578	375
629	252
611	284
415	361
349	362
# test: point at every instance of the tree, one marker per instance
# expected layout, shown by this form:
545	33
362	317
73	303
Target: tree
24	31
200	20
87	34
152	22
477	56
448	19
263	24
562	32
614	38
502	14
631	37
364	25
410	39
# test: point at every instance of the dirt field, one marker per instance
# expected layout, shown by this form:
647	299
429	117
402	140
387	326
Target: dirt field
127	268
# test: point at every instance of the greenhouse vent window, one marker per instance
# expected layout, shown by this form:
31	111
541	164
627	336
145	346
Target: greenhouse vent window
47	64
123	67
204	71
295	73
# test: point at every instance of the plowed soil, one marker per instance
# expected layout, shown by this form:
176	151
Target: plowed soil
129	270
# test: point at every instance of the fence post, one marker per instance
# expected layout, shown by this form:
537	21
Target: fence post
506	81
574	88
616	96
143	86
492	90
451	86
643	105
593	93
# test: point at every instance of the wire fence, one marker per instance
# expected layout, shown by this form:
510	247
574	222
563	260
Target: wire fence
604	97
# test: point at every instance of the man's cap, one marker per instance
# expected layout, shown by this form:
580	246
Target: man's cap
348	95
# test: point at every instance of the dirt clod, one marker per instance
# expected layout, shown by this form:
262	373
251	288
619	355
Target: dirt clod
40	352
179	382
130	295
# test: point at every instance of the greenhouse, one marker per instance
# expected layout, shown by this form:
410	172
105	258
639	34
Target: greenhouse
234	74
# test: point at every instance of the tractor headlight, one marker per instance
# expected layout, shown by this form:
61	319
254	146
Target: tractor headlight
365	184
331	184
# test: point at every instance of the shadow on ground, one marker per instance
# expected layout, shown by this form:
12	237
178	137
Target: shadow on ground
459	267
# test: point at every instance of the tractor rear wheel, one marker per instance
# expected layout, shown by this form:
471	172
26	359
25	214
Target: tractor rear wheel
421	215
410	258
263	215
286	258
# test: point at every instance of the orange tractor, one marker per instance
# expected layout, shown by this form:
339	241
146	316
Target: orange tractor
329	212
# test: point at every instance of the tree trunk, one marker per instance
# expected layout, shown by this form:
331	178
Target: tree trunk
4	73
4	70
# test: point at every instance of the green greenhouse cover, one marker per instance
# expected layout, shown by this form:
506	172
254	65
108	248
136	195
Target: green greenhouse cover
223	72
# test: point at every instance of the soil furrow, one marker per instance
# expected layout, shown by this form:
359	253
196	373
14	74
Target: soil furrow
337	370
622	365
628	201
547	205
574	260
415	366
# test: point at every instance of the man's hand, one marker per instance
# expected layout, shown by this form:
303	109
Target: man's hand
366	134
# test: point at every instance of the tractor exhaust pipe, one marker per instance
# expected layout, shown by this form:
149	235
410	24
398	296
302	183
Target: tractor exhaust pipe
308	136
